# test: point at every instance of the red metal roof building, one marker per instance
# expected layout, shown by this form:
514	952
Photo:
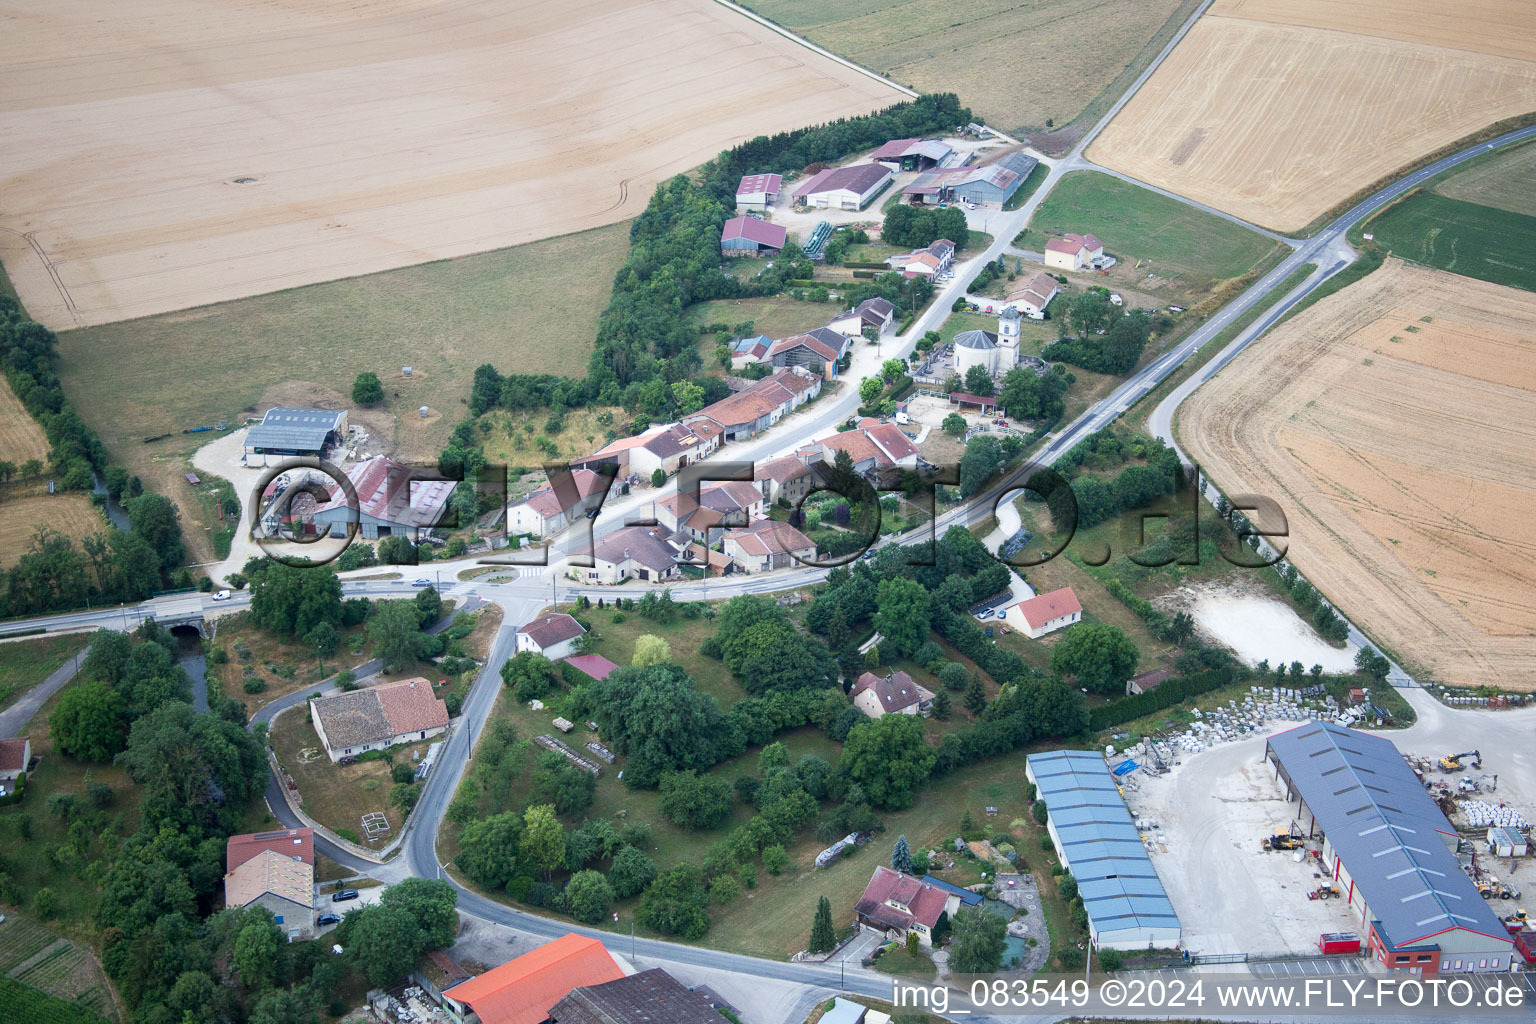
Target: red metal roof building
747	236
523	991
758	190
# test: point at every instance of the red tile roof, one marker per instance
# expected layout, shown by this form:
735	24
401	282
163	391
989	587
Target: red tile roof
565	492
923	901
1043	608
768	537
521	991
13	754
551	629
409	706
1074	244
754	230
290	842
782	470
816	345
594	665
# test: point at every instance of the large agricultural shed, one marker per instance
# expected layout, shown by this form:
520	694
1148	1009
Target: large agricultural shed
1097	841
306	432
1389	850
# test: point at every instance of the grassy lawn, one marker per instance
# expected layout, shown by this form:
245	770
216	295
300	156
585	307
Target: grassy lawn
25	663
1191	249
777	316
1031	183
1034	335
442	318
1465	238
508	441
337	796
284	665
616	642
899	962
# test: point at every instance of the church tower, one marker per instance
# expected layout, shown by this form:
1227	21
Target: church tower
1007	339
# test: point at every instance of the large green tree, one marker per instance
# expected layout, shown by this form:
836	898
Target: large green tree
903	616
631	872
675	903
395	631
889	758
195	769
695	801
154	517
1100	656
658	718
543	842
366	389
90	723
589	896
977	942
291	600
489	849
823	937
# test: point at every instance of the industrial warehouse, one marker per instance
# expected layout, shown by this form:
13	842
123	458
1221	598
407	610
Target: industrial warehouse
1098	842
1389	850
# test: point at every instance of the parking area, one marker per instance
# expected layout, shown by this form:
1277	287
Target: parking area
1211	814
1317	967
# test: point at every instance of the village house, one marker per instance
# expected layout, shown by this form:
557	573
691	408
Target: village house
1032	295
745	351
893	694
768	544
785	478
817	351
757	407
14	756
552	508
1073	252
283	885
293	843
894	904
930	262
553	635
393	500
875	313
649	553
844	188
874	447
1045	613
664	446
378	717
737	502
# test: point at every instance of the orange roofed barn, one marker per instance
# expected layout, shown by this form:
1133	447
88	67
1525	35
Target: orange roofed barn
523	990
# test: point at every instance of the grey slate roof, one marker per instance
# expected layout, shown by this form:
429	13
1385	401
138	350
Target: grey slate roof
298	429
1386	829
976	339
649	997
1115	878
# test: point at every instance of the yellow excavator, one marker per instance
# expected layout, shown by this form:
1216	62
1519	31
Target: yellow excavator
1452	762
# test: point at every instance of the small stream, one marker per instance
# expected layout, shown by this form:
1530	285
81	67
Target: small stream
190	657
115	512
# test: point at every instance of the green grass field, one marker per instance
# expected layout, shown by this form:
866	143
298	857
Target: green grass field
778	316
25	663
1027	189
1016	65
1502	179
529	309
1193	249
1465	238
34	1007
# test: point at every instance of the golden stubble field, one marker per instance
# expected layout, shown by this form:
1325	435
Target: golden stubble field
1392	423
1276	110
173	153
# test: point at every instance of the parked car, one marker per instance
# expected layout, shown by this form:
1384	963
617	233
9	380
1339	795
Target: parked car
423	582
344	895
327	919
349	759
222	595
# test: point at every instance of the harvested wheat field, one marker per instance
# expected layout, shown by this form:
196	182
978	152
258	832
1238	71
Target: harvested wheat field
1277	110
173	153
20	436
70	514
1392	423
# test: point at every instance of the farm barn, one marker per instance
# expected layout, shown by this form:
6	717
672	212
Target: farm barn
391	500
296	432
1390	850
758	191
911	154
748	236
1097	841
993	183
844	188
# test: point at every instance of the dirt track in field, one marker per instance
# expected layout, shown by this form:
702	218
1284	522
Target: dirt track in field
174	153
1276	110
1392	423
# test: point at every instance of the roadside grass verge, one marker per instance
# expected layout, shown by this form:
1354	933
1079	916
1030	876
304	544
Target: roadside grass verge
25	663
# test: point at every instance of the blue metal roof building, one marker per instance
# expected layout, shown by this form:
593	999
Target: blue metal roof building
1389	850
1097	841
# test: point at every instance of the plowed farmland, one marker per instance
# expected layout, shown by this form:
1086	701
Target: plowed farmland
1391	422
174	153
1276	110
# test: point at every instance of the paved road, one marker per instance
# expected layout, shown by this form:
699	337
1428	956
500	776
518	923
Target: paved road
15	717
